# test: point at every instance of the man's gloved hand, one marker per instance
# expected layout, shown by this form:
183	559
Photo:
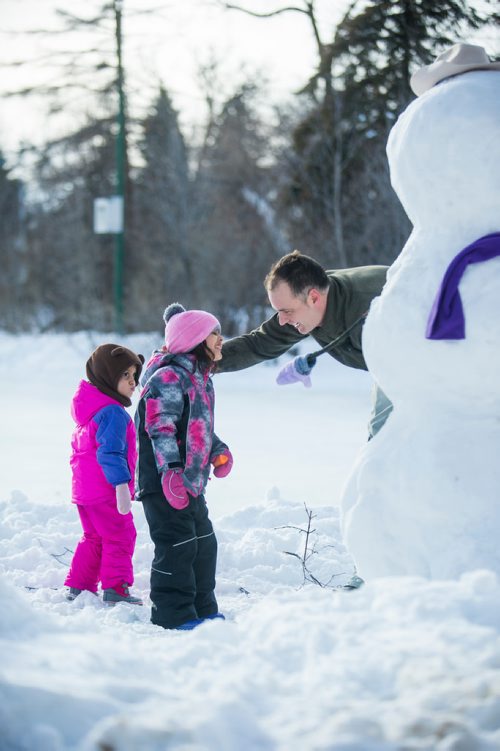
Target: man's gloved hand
223	463
293	372
123	499
174	489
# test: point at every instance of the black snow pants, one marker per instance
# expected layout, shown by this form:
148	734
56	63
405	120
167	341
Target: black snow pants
185	558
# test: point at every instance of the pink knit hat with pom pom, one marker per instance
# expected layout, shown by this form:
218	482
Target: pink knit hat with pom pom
184	329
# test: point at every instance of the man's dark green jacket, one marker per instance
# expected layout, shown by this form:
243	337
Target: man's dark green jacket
350	294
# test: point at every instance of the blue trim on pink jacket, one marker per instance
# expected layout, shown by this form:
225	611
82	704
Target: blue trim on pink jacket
103	446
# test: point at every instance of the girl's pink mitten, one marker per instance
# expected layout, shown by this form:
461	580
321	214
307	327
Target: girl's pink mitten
174	490
223	463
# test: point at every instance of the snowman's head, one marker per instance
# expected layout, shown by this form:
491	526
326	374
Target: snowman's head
444	152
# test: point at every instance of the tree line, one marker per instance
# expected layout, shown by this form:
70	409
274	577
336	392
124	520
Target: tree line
204	221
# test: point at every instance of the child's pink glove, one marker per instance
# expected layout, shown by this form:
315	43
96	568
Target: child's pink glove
174	490
223	463
123	500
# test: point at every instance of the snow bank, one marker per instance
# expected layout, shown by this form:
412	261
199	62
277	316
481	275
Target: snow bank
400	664
296	665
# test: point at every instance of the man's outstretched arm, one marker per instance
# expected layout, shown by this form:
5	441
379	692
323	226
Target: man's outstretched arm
270	340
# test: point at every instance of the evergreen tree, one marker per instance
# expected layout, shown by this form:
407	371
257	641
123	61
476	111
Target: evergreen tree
338	200
14	268
233	234
379	48
162	268
73	265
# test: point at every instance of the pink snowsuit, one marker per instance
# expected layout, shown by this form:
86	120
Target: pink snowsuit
103	456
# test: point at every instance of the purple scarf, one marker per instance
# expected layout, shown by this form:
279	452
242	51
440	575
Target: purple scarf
446	320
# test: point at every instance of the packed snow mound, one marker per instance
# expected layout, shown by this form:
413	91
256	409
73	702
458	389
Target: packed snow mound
400	662
17	617
423	496
269	545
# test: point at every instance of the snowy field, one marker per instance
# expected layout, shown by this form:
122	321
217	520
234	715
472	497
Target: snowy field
401	665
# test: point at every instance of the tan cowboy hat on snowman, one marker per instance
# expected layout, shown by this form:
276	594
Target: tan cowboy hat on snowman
461	58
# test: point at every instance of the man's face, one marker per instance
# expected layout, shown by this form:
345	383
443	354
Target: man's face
303	312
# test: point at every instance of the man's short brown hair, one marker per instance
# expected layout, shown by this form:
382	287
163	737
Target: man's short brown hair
300	272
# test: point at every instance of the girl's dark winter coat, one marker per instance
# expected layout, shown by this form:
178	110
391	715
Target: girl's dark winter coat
175	424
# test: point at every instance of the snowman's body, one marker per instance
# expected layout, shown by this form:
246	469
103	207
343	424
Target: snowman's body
424	496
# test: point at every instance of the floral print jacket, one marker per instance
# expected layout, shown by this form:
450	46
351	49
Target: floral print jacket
175	423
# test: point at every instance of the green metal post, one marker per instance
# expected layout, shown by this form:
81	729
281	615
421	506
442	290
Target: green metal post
120	175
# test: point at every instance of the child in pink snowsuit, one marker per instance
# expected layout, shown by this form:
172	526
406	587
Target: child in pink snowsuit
103	459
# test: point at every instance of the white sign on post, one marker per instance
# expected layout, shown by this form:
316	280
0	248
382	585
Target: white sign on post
108	215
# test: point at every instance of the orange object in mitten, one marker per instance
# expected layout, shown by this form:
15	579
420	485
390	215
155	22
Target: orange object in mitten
220	460
223	463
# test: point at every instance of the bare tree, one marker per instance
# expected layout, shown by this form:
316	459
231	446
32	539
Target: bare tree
72	265
310	550
336	196
326	150
232	236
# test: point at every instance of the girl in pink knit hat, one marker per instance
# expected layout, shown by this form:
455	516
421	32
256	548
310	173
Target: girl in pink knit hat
177	448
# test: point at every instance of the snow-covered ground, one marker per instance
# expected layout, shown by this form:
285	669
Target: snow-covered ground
402	663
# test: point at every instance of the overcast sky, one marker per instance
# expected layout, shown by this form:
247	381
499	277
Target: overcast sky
167	46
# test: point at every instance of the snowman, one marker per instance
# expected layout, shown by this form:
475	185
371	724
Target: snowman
424	496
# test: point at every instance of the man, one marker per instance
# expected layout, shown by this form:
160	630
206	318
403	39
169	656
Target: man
309	300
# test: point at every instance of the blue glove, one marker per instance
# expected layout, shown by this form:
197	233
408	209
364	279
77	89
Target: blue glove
296	370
